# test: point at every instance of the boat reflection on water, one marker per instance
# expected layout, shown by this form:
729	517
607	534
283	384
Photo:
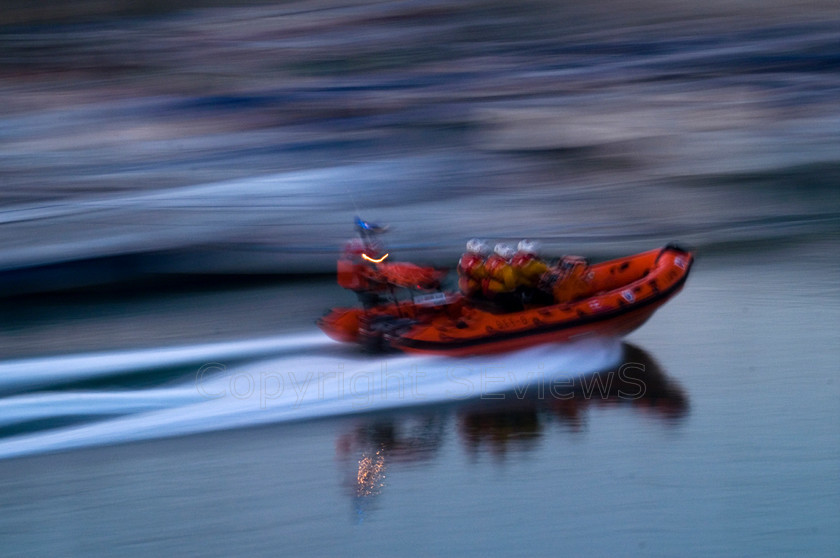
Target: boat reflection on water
499	426
377	442
516	424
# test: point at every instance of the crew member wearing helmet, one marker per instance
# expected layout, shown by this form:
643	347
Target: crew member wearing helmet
500	283
471	269
528	269
527	264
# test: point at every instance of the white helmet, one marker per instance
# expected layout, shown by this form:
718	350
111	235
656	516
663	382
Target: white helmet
504	250
477	246
529	247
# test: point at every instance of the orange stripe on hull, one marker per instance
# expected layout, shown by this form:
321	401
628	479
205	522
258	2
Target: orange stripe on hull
614	327
626	292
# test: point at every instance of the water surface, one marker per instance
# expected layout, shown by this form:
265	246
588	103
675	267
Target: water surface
732	449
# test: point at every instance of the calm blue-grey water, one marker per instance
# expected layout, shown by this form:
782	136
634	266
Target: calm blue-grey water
732	449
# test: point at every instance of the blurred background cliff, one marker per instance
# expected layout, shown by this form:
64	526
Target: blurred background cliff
143	140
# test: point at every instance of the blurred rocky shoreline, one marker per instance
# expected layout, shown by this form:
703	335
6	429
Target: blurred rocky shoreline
242	140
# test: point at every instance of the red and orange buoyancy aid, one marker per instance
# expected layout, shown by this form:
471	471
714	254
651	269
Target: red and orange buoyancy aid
471	273
500	276
527	269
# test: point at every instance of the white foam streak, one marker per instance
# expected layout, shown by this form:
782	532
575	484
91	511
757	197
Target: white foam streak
297	387
47	371
50	405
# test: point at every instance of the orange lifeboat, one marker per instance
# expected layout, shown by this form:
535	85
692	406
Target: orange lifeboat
611	299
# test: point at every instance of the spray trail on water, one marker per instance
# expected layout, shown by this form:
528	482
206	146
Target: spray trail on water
301	379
